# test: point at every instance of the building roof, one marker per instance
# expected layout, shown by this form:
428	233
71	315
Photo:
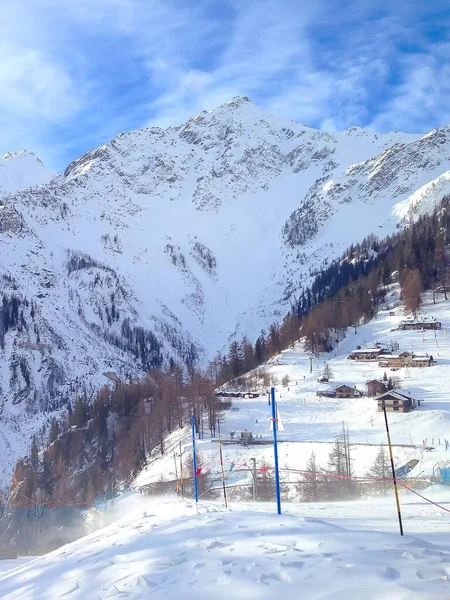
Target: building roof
399	395
345	385
420	320
376	381
367	350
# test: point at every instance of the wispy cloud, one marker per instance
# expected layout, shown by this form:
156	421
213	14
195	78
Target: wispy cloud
73	74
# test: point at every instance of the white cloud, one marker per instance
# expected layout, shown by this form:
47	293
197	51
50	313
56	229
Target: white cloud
420	100
80	72
33	87
194	79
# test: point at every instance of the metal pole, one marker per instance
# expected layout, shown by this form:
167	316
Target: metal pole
275	451
221	464
255	494
394	478
194	455
176	471
310	364
181	471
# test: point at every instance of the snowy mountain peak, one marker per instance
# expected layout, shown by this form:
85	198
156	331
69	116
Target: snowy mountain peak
237	101
20	170
170	242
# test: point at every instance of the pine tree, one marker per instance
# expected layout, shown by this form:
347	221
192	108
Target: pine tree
380	470
80	415
54	431
47	483
34	455
235	359
310	487
327	372
265	482
260	348
337	470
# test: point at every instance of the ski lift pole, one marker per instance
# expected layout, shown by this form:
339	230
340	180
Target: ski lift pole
255	493
221	465
194	455
394	478
181	472
275	451
177	485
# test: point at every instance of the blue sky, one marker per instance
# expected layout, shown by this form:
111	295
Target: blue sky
74	73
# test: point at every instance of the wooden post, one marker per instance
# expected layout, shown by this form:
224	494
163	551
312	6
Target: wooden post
221	465
394	478
181	472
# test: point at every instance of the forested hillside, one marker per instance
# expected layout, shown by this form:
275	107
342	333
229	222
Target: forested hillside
348	291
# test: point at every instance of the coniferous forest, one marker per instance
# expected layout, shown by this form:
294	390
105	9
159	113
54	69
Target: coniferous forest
347	292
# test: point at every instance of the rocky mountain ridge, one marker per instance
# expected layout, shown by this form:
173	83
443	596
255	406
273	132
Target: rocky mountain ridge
165	243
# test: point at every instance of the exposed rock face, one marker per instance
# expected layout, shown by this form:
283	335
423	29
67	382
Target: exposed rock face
167	242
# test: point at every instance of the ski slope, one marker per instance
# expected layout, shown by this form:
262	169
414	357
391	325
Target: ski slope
168	550
311	423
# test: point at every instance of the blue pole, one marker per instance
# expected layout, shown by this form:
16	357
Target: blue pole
194	459
275	450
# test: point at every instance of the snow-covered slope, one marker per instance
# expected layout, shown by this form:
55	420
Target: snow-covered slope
167	550
173	240
311	423
21	170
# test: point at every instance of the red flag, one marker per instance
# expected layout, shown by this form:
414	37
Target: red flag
199	471
264	469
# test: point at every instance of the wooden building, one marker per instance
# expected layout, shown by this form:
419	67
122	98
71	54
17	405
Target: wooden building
396	401
421	361
366	354
420	324
346	391
405	359
391	360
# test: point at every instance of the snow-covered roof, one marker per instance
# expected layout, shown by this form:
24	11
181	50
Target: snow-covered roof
424	319
399	395
351	387
367	350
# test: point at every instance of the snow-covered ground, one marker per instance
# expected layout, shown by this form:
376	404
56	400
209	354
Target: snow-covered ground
164	548
12	563
311	423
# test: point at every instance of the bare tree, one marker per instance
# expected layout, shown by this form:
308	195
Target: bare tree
412	287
